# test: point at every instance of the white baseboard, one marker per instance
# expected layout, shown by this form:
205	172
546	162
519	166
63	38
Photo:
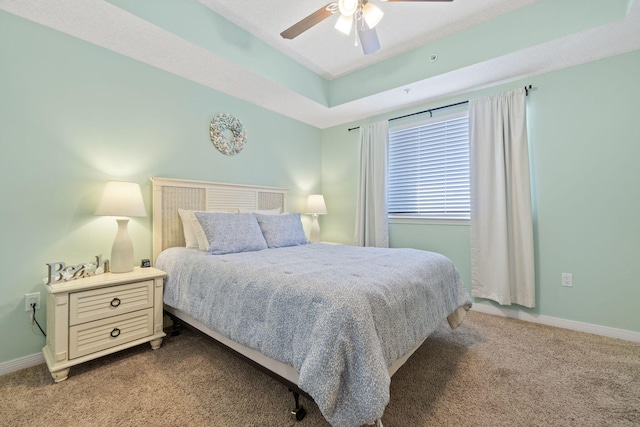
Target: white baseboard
560	323
22	363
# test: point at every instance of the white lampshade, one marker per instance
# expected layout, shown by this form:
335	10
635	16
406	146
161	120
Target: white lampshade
372	14
344	24
316	205
121	199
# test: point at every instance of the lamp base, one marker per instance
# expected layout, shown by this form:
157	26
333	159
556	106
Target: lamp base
314	235
122	249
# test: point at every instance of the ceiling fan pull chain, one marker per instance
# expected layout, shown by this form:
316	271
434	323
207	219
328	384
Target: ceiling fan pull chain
357	17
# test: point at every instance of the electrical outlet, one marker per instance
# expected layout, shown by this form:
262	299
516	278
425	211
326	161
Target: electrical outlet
567	280
31	299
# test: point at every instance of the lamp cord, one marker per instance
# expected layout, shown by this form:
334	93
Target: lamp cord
33	316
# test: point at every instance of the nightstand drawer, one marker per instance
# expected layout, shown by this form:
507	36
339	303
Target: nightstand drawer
97	304
102	334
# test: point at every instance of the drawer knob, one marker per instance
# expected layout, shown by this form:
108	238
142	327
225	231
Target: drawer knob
115	302
115	332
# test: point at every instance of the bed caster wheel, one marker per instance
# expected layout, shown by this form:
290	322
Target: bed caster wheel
298	414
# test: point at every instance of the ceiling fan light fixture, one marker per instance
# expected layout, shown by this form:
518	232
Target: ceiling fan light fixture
344	24
368	40
372	14
348	7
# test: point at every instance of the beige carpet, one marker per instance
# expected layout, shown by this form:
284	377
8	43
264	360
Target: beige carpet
492	371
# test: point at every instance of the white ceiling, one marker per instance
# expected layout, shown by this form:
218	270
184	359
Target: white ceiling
327	52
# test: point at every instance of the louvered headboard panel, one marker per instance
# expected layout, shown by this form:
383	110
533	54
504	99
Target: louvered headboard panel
170	194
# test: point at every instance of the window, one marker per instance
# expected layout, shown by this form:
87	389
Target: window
429	169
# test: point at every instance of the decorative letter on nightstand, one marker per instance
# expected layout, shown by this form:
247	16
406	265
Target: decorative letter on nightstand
99	315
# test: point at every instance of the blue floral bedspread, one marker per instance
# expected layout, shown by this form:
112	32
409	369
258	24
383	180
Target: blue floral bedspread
340	315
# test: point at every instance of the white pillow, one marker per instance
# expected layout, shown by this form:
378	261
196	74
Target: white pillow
187	217
194	235
275	211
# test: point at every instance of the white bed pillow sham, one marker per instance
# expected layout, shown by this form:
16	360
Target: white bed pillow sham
231	232
194	236
187	218
282	230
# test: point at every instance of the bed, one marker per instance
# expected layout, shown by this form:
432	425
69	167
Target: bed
333	322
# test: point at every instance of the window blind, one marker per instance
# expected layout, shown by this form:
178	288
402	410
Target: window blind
428	175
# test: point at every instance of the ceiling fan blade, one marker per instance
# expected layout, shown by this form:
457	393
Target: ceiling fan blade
311	20
368	40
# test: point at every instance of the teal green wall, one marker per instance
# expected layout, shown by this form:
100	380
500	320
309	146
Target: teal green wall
73	116
585	148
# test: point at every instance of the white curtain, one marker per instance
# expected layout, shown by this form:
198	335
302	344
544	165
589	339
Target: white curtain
502	254
372	226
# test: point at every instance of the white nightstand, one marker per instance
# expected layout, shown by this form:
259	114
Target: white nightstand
99	315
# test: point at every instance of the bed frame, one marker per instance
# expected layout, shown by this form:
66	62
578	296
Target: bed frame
169	195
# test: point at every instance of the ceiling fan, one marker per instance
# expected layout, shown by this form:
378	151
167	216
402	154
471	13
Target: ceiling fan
361	14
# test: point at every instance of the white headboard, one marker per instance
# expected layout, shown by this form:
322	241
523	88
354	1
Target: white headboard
171	194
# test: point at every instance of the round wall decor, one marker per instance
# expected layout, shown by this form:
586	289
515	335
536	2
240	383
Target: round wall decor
227	134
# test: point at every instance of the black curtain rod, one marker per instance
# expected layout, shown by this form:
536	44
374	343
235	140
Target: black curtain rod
430	110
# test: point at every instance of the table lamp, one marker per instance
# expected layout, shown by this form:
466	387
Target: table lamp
315	207
121	199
